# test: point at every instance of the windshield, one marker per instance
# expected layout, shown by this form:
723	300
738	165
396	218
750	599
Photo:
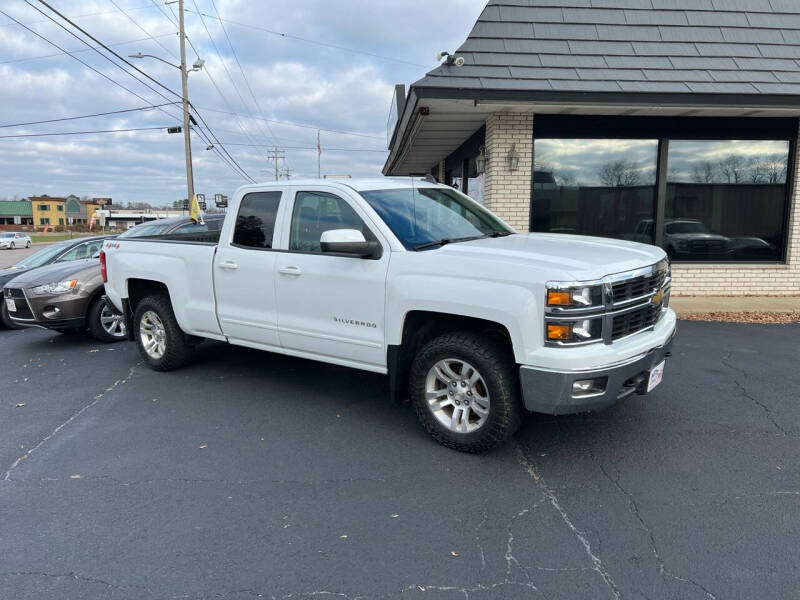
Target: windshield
686	227
146	229
424	215
41	257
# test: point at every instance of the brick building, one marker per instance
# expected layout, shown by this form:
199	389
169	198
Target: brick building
670	122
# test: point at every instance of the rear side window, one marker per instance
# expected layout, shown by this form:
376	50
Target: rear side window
255	223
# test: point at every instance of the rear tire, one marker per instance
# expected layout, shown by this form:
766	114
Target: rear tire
4	318
159	338
106	325
465	390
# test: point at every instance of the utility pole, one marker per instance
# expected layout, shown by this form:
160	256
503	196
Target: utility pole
276	154
187	142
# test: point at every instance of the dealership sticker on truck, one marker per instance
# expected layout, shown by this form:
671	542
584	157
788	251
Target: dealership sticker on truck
656	375
11	305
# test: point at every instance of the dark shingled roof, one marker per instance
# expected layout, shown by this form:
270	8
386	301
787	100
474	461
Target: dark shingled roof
673	46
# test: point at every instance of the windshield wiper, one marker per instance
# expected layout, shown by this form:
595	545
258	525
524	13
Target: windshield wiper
445	241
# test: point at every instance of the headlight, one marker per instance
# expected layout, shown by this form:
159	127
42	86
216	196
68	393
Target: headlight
60	287
575	332
565	296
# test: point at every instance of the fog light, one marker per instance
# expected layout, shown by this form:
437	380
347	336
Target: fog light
51	312
559	332
589	387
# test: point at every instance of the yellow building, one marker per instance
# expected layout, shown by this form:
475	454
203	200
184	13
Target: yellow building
48	211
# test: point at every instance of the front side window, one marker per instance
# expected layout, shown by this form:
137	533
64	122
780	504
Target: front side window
317	212
602	187
726	200
425	215
255	223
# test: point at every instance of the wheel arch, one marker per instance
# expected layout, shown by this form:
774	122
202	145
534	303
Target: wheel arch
420	326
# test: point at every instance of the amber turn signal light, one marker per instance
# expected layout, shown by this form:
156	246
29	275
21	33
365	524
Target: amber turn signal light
557	298
559	332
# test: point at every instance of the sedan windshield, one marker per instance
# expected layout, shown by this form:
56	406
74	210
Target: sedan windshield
42	257
426	217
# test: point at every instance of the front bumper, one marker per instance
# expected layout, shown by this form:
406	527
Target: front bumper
551	392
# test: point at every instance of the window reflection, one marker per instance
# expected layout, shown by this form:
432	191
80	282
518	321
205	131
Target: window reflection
725	199
598	187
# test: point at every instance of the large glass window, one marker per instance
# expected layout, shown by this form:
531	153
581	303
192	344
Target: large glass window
317	212
602	187
255	223
725	200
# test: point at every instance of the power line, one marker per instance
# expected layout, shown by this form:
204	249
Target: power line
309	147
315	127
94	14
315	42
41	56
105	47
30	135
102	114
147	33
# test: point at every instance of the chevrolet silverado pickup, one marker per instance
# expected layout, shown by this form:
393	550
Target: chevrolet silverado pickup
474	322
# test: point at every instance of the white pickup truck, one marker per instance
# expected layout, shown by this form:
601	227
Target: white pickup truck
471	320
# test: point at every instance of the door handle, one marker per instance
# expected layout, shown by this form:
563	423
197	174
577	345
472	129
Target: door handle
229	265
294	271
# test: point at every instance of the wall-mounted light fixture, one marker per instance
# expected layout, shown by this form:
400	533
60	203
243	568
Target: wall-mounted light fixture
513	158
480	162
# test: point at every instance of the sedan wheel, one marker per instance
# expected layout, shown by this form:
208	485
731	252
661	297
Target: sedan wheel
113	323
13	245
152	335
27	244
457	395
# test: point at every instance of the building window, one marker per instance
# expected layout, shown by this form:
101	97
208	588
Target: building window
603	187
26	221
44	221
43	207
59	207
725	200
61	221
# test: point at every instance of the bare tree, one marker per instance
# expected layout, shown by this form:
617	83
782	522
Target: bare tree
756	170
704	173
775	168
732	168
618	173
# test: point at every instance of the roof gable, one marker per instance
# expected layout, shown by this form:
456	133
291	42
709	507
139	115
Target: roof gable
749	47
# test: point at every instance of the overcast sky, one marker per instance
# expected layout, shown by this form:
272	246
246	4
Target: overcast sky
292	80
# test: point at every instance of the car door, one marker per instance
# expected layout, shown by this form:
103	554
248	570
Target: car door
330	306
244	273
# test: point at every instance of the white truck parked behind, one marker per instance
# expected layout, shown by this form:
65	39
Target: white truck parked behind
473	321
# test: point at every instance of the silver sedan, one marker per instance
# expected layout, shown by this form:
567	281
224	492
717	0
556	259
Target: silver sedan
10	240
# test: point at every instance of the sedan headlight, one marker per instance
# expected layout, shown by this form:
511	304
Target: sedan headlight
59	287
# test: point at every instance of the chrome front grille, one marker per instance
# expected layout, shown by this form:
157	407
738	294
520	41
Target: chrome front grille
632	301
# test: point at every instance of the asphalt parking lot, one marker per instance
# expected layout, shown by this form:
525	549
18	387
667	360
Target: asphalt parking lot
254	475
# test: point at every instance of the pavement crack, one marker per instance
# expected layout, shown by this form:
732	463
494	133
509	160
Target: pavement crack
726	360
633	508
97	398
74	576
597	564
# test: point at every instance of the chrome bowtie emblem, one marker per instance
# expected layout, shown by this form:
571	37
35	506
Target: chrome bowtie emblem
658	297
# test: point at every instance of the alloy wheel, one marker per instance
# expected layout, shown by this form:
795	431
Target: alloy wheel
153	335
457	395
112	322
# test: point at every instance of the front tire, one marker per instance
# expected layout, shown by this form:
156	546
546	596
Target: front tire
27	244
159	338
465	390
13	245
106	325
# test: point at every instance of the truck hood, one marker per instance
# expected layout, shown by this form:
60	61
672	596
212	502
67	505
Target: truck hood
567	256
54	272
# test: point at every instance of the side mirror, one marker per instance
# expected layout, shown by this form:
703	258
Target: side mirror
347	241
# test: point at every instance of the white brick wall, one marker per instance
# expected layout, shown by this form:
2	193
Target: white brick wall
508	194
